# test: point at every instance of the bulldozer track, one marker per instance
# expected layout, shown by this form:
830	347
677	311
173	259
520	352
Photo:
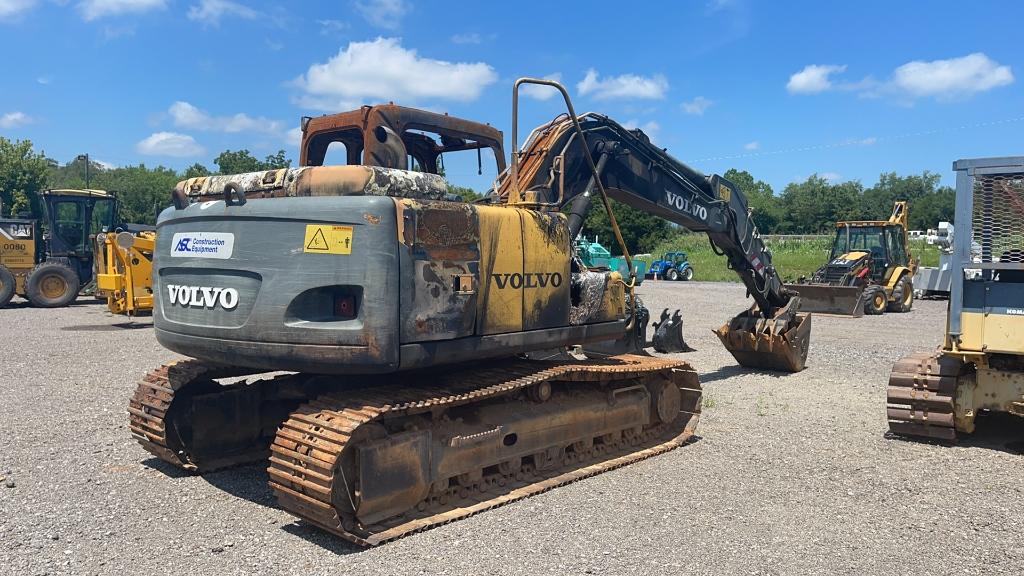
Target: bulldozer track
149	406
309	481
921	396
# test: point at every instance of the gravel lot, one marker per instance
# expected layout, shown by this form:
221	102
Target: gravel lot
792	474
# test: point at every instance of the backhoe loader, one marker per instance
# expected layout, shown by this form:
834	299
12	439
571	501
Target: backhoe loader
870	270
441	355
980	365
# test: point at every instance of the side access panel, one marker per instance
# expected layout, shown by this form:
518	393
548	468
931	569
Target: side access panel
440	255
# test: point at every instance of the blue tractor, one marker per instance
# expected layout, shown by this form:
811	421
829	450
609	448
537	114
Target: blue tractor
672	266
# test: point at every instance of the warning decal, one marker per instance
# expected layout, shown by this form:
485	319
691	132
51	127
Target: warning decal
327	239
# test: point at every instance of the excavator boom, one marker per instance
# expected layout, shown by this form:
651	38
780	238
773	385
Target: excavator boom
557	172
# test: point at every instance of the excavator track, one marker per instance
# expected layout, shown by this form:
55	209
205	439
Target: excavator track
363	464
150	408
921	396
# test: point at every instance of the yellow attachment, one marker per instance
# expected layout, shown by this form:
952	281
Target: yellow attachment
124	271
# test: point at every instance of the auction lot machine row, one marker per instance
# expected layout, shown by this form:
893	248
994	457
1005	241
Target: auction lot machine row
427	339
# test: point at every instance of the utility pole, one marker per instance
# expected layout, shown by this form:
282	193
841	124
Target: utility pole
86	158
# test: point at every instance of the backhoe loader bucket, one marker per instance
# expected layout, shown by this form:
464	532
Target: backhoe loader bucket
668	334
779	343
826	299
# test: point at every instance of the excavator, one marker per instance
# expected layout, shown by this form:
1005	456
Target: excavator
407	360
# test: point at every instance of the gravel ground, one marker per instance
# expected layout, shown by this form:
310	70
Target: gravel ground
792	474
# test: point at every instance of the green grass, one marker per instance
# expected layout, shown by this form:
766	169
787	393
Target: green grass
792	257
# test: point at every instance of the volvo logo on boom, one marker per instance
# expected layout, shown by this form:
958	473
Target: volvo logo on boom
528	280
685	206
202	297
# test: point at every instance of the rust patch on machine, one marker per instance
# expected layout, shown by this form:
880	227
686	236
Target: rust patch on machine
444	243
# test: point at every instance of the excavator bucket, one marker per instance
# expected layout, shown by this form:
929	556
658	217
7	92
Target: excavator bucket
779	343
668	334
826	299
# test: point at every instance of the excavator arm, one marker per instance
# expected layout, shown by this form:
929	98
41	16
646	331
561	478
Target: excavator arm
554	170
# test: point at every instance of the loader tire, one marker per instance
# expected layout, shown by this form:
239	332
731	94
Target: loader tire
874	301
902	295
51	285
672	274
6	286
688	274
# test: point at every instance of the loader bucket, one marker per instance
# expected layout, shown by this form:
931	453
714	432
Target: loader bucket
826	299
779	343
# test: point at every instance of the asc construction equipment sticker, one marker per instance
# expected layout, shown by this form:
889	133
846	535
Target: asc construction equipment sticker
203	245
327	239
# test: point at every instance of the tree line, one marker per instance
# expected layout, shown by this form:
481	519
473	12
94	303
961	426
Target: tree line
809	207
142	191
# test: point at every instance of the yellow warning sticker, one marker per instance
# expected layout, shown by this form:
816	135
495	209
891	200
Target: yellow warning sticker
327	239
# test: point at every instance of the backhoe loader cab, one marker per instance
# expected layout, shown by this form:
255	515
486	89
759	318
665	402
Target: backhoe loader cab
48	259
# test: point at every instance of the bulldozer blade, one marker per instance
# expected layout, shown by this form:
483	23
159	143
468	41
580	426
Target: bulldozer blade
826	299
779	343
668	334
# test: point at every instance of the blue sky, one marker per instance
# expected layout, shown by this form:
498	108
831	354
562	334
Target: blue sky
781	89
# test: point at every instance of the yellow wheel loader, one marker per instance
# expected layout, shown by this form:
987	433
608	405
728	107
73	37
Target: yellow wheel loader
980	365
48	258
869	271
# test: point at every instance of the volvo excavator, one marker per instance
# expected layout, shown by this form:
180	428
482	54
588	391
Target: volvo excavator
442	357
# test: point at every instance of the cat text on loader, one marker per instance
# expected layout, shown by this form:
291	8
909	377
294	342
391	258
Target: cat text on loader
124	269
870	270
428	337
980	365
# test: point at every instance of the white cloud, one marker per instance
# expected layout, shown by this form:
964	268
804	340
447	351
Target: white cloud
381	70
469	38
328	27
951	78
103	164
697	106
293	137
624	86
44	80
941	79
385	14
15	119
755	145
10	9
209	12
813	78
94	9
830	176
538	92
186	115
169	144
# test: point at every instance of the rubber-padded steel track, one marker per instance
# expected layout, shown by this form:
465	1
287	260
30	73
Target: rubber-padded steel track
305	470
921	395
